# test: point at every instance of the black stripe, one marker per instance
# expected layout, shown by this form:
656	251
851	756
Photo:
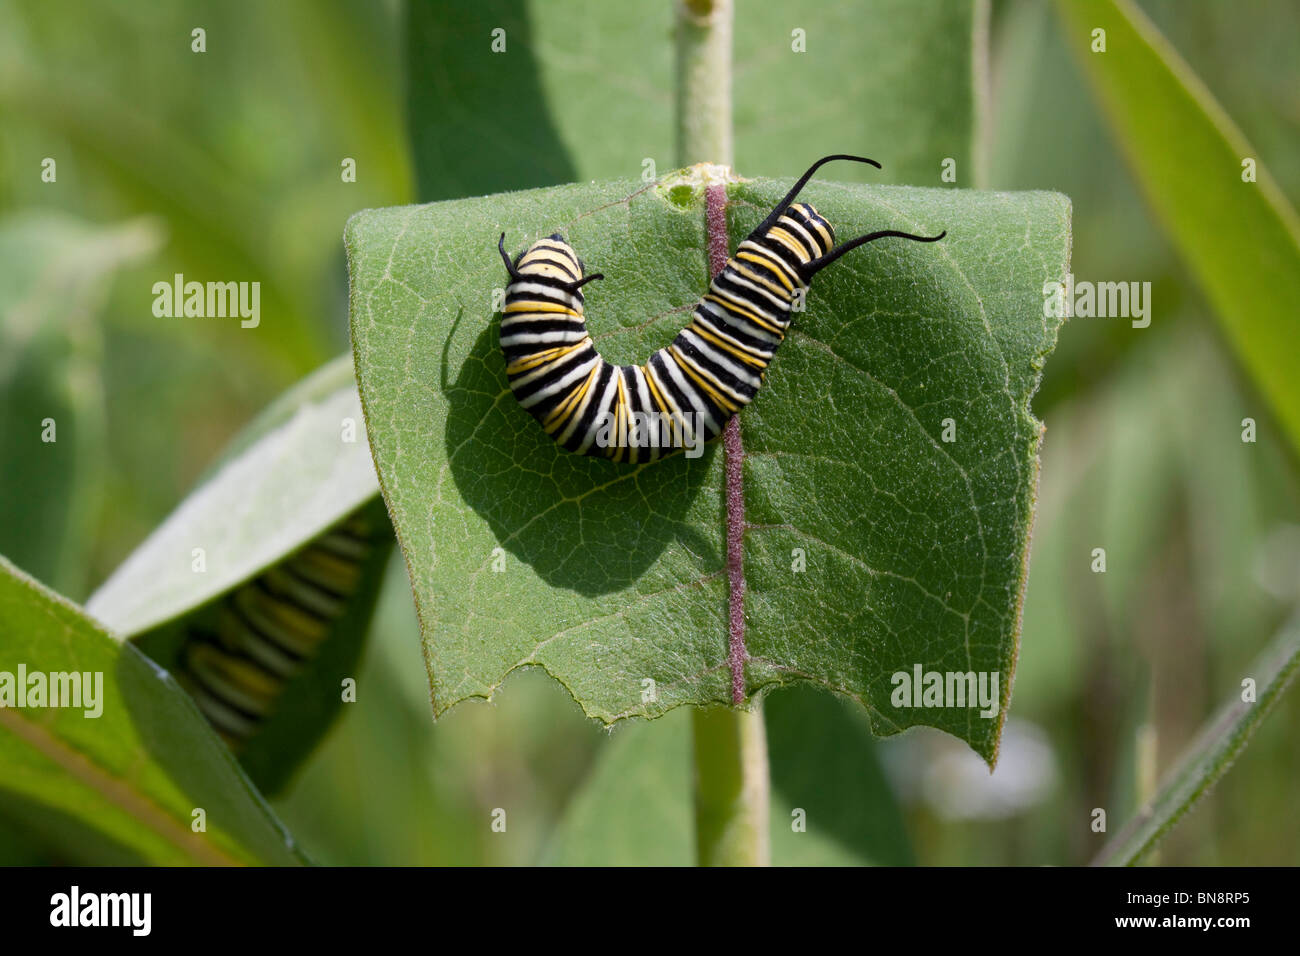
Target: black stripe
587	421
777	268
744	390
284	598
719	326
662	359
191	670
731	280
329	591
554	294
261	635
783	251
803	214
553	372
546	260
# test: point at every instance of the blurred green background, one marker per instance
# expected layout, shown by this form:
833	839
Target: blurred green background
226	165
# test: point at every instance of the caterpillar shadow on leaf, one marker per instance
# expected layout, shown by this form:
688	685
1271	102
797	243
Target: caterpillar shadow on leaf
583	523
595	520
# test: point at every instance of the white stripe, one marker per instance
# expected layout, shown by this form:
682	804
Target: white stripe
605	398
559	337
546	368
700	406
222	715
725	332
783	305
532	290
561	385
708	377
721	358
740	323
769	257
794	225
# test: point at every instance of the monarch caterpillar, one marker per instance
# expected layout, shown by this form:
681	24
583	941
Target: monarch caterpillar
236	664
686	392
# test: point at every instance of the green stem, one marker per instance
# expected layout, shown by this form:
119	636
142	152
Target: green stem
1220	741
704	82
731	787
731	776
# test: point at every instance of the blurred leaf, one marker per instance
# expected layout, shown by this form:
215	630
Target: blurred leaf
584	90
55	271
311	698
288	476
1241	240
1208	758
615	573
274	496
891	79
635	808
207	211
824	763
131	776
479	121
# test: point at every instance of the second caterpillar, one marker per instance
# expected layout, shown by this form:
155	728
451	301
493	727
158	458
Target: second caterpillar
686	392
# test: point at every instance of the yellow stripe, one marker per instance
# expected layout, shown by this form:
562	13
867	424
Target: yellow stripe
533	305
658	399
763	261
544	357
726	404
340	574
731	347
757	320
247	677
749	273
565	408
790	241
816	222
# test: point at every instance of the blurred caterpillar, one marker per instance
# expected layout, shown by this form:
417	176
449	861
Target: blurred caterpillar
685	393
268	628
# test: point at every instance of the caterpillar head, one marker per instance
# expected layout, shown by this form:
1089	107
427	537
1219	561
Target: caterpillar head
550	261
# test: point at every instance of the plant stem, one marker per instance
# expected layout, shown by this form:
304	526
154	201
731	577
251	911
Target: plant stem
731	788
731	775
704	82
1220	741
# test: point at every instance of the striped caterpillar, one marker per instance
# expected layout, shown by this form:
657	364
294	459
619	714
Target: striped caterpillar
686	392
265	631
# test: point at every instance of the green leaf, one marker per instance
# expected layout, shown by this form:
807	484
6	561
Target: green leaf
613	575
128	780
586	90
824	763
289	475
1240	239
1209	756
263	502
55	271
312	698
634	808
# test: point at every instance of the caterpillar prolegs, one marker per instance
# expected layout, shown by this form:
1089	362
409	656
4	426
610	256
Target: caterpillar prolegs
686	392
